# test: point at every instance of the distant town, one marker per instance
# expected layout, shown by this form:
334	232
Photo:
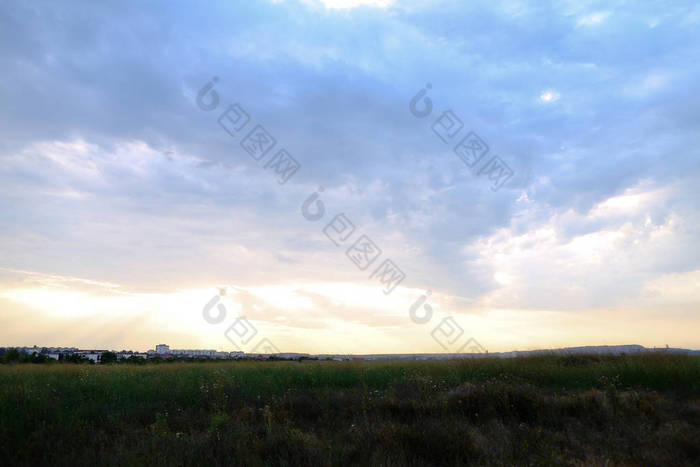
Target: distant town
164	352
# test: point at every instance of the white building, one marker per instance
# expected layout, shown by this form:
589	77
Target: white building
194	352
93	357
163	349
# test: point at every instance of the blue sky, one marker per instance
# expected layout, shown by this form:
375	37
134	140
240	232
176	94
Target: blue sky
124	205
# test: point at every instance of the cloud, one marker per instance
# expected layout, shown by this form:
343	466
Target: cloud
594	19
347	4
111	172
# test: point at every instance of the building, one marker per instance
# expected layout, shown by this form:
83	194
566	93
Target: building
193	353
93	357
162	349
126	354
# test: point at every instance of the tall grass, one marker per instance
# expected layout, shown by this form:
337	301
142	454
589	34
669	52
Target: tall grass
541	409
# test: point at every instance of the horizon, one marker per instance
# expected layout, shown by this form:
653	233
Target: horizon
472	351
350	176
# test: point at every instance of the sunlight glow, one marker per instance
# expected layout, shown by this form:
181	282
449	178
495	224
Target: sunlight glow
549	96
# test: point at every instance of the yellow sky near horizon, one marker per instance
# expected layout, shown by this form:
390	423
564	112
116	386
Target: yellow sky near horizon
50	310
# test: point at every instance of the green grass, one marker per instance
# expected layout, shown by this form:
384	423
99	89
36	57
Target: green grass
583	410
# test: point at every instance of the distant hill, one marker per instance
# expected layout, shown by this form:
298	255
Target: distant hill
589	349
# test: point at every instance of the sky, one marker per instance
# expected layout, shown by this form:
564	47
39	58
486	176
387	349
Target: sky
457	175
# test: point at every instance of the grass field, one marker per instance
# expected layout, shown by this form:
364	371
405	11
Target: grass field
583	410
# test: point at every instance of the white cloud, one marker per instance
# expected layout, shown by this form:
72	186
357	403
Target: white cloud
648	84
676	289
609	260
593	19
349	4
